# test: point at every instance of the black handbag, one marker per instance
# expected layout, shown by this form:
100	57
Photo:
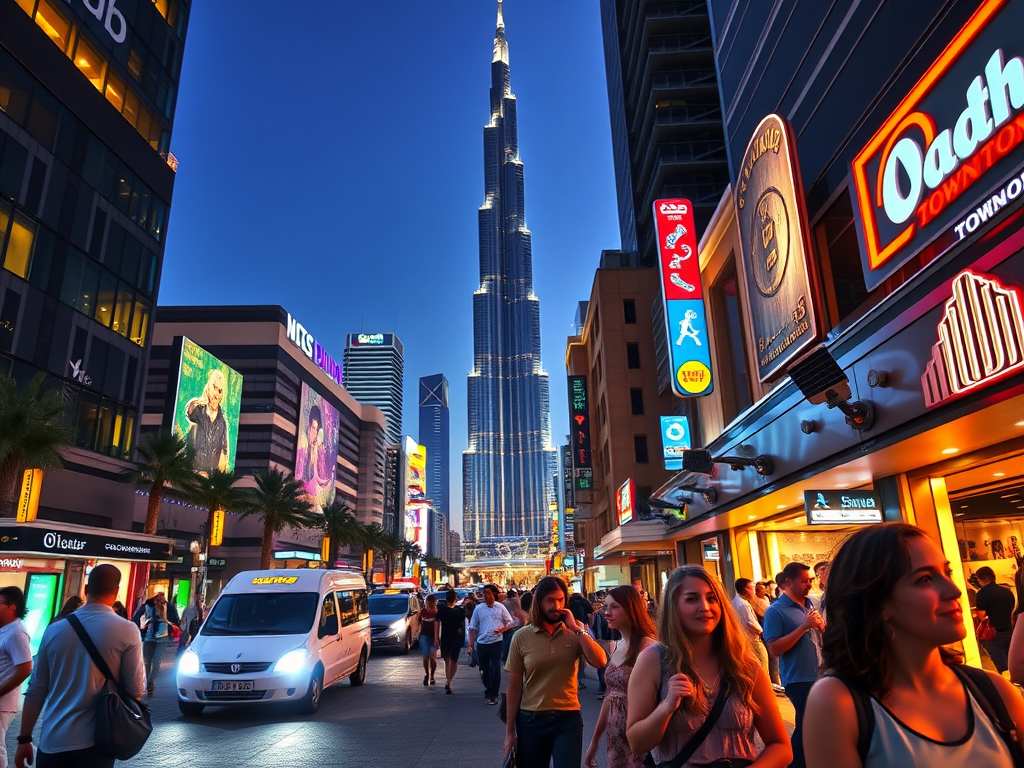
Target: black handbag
123	724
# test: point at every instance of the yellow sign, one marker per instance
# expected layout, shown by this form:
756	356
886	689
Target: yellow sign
28	503
217	528
694	377
263	580
325	551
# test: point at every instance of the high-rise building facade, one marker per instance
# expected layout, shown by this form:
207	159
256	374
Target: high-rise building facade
87	106
509	465
374	375
434	435
666	117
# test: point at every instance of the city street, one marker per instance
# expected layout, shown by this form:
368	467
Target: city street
390	722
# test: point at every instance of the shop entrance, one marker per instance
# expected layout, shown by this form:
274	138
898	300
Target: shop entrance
986	503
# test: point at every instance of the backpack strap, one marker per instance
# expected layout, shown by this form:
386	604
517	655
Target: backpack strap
865	715
981	688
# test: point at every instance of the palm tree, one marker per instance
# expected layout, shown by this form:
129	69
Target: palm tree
342	527
33	430
371	537
164	459
435	564
409	552
389	544
280	500
217	490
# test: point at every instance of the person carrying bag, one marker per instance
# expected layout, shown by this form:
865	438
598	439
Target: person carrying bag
123	724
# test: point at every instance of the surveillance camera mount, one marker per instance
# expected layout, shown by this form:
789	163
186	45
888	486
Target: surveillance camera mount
860	415
710	495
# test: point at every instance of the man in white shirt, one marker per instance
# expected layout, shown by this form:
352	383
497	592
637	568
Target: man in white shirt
490	621
15	659
65	682
747	617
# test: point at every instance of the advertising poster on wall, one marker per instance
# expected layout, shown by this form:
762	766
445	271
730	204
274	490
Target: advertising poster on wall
417	511
316	459
206	407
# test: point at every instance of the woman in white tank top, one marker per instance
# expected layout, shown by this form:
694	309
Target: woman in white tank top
892	606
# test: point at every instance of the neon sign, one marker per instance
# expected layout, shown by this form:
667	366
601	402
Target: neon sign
579	424
311	348
962	123
981	338
685	319
370	338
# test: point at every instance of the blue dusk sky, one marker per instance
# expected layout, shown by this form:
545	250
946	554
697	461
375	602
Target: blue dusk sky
331	161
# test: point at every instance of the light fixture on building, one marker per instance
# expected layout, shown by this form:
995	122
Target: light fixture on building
702	462
710	495
821	380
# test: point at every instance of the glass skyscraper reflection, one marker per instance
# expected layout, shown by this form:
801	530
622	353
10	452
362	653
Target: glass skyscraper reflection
509	466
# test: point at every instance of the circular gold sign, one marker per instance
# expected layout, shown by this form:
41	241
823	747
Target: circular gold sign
769	241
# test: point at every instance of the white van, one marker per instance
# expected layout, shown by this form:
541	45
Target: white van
278	635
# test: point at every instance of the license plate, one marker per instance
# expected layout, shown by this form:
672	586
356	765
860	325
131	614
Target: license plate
232	685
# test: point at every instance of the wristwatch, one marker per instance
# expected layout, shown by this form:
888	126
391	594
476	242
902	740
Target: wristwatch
25	739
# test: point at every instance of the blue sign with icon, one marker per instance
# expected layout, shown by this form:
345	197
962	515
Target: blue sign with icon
675	438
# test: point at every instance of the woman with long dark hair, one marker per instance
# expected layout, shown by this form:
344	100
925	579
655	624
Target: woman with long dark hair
892	606
702	676
626	611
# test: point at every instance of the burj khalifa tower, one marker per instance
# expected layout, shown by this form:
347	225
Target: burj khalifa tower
509	467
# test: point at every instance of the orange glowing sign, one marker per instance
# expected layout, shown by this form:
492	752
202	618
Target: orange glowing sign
957	134
981	338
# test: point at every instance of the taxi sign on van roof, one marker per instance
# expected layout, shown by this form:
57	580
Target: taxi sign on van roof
275	579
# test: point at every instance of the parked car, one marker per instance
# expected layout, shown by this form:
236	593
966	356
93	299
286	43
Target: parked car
395	621
277	635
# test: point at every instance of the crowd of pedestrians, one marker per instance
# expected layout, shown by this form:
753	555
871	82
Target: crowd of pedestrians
865	660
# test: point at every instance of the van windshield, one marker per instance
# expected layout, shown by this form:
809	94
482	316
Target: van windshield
389	606
263	613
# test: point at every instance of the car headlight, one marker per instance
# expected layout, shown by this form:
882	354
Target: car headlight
188	664
293	661
396	626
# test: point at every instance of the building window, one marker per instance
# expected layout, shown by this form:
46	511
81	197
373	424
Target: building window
636	401
632	355
732	347
640	448
629	311
19	243
89	61
55	24
839	256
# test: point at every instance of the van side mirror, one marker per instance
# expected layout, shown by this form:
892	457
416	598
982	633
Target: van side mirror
328	627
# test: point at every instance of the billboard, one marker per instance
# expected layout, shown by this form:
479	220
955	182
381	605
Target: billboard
417	510
206	407
685	318
624	501
675	438
316	457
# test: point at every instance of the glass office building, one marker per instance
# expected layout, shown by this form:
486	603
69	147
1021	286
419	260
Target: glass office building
375	375
86	111
509	465
435	437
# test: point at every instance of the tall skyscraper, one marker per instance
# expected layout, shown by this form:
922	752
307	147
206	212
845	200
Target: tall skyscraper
509	466
435	436
666	117
374	375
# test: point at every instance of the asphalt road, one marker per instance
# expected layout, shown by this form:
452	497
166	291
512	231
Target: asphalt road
392	721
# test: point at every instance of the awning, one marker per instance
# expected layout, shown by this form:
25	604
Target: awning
50	539
636	536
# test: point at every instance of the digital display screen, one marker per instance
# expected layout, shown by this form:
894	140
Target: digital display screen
206	407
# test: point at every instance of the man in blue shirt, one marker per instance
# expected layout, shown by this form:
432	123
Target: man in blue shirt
788	623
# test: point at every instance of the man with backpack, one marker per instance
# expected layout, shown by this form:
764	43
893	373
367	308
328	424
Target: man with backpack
66	682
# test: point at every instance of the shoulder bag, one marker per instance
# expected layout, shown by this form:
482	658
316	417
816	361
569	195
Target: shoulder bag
700	736
123	724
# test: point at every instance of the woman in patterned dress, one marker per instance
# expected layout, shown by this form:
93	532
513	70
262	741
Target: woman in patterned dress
625	611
